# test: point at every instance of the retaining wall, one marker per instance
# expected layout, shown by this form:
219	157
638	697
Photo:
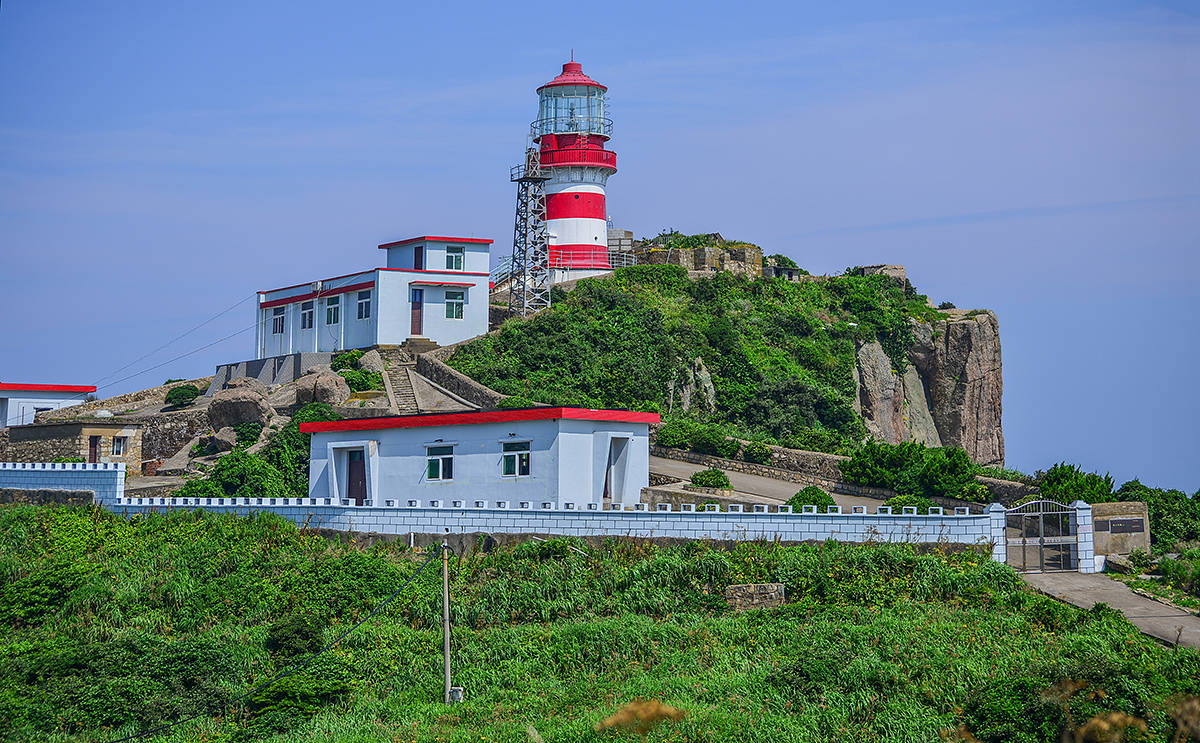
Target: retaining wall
802	470
437	371
106	480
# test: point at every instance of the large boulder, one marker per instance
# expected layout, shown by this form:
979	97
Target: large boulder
247	383
242	404
371	361
325	387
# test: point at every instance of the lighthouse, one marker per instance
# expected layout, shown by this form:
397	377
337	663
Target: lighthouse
570	134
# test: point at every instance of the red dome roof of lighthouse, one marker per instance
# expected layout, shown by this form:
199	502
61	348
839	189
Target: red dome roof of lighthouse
572	74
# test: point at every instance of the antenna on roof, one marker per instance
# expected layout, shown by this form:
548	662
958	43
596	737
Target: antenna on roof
572	55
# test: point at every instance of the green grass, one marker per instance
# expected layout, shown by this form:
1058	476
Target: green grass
114	625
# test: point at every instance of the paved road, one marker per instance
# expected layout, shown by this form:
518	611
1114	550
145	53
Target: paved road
1152	618
775	490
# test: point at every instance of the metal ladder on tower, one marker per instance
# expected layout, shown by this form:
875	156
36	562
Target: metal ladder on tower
529	282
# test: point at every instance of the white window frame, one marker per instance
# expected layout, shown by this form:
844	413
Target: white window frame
277	320
333	309
118	445
364	305
458	303
514	457
439	456
306	315
455	255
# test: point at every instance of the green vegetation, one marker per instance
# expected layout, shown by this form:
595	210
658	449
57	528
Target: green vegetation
782	260
288	449
172	381
112	626
900	502
757	452
811	496
915	469
182	395
248	432
710	478
67	460
359	380
781	354
347	360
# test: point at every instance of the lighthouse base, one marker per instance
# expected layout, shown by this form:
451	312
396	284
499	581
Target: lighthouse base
559	275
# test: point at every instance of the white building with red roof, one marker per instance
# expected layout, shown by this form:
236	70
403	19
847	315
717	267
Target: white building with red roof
432	287
19	403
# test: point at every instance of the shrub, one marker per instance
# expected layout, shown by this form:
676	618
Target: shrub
1067	482
516	401
676	433
946	306
711	439
240	474
1141	560
899	502
294	634
710	478
67	460
182	395
361	381
811	496
757	452
248	432
172	381
782	260
347	360
288	449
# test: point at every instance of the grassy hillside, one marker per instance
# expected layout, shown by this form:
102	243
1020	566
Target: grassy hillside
111	626
781	354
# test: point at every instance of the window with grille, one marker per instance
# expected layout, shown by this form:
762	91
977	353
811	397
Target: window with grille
515	460
439	463
454	304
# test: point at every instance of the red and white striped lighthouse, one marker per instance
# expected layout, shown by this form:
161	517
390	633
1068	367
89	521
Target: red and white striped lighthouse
570	132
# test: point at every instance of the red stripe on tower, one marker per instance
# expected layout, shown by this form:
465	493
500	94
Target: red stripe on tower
570	204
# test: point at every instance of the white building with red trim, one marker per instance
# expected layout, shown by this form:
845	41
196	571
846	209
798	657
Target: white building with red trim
553	457
19	403
432	287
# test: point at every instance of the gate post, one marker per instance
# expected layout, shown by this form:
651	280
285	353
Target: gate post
1084	536
997	520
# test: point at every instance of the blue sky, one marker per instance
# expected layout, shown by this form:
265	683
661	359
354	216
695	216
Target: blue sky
160	162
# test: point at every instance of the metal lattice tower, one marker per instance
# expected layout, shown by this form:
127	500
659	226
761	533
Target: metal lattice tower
529	285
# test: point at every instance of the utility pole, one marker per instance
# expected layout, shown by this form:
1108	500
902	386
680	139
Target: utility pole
446	615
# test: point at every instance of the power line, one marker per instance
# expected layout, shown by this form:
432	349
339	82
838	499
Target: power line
291	670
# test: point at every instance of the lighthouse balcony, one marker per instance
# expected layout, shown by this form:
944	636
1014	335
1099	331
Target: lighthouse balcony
601	125
579	156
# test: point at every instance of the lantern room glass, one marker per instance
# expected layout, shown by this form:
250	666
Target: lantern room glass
566	109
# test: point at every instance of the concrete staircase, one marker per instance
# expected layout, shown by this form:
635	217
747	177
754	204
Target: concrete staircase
399	362
416	345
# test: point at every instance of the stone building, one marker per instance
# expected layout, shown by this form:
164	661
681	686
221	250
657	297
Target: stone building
94	441
738	258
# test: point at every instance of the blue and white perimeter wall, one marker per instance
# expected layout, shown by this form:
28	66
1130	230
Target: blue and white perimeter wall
527	517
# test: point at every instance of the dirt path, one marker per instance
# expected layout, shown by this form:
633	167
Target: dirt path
1152	618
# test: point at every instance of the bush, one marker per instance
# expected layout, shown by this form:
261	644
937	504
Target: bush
757	452
67	460
811	496
288	449
900	502
711	478
361	381
676	433
240	474
295	634
711	439
248	432
1067	482
172	381
946	306
913	469
182	395
516	401
347	360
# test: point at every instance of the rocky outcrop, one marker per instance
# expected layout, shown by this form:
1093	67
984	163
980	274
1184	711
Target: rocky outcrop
326	387
243	404
692	388
221	441
371	361
950	394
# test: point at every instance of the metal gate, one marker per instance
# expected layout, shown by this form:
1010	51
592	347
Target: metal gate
1042	537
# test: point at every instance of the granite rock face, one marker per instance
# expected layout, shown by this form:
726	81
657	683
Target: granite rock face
949	394
243	404
692	388
371	361
326	387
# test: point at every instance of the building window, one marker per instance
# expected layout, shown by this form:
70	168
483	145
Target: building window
364	305
277	321
515	462
439	463
454	305
333	311
306	316
454	258
118	446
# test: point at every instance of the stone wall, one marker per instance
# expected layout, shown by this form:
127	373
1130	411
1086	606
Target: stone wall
120	402
107	481
431	366
163	435
743	596
46	497
1121	527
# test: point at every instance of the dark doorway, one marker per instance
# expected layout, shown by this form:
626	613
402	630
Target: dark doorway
418	308
356	488
419	257
93	449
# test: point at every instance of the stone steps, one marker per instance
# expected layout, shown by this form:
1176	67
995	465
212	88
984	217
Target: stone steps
402	389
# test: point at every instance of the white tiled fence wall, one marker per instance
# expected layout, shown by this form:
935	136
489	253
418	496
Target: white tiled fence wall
106	480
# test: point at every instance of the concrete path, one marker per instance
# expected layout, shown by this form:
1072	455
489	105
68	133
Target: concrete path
777	491
1152	618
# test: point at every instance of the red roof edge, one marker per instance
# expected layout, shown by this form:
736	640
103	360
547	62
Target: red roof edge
48	387
480	416
436	238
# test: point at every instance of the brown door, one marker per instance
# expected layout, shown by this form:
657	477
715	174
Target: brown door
418	307
356	489
93	449
419	257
